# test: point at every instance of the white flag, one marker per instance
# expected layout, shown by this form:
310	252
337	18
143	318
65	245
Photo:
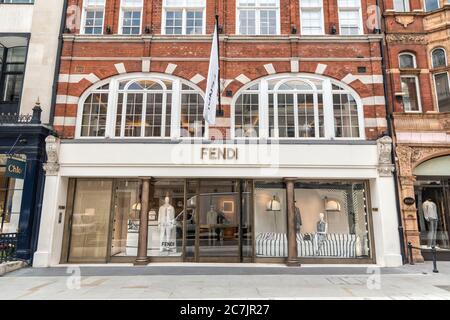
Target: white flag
212	87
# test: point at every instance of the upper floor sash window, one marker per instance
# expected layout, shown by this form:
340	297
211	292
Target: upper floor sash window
184	17
350	19
130	17
311	17
258	17
93	17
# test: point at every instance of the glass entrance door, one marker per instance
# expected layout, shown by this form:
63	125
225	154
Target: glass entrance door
221	220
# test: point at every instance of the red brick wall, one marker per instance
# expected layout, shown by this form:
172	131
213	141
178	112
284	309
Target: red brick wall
86	55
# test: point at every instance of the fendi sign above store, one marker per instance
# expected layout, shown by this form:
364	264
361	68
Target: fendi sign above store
219	153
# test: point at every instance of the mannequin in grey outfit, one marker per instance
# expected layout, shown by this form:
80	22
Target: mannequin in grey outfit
431	216
298	219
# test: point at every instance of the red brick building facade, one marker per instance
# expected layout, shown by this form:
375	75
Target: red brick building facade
417	45
297	170
355	60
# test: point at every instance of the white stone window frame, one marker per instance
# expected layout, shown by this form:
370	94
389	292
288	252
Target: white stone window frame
258	8
436	98
97	5
407	54
432	60
184	8
308	8
127	8
351	8
113	90
419	99
327	100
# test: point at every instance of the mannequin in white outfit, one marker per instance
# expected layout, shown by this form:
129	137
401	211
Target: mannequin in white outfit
431	215
166	224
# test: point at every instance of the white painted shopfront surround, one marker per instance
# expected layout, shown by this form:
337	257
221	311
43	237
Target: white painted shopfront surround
336	160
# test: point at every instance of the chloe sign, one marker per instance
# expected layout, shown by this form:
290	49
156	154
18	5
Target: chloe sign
219	153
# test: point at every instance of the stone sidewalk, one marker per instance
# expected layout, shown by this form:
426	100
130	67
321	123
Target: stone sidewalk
219	281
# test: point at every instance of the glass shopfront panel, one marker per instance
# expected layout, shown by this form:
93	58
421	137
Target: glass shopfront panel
166	214
207	220
331	220
433	212
126	221
10	200
270	219
90	221
223	211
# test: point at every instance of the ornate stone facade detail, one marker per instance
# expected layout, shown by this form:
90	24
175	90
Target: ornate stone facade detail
404	20
421	154
385	166
406	38
51	167
404	160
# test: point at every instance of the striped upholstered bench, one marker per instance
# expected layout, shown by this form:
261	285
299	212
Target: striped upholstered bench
336	245
271	244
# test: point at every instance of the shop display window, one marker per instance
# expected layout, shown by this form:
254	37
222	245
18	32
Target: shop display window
433	212
270	219
331	220
90	221
10	199
166	212
125	233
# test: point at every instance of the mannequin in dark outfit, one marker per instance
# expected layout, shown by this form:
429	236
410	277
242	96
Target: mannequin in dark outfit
298	219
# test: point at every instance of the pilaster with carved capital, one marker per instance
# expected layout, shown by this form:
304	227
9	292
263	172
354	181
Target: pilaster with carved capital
51	167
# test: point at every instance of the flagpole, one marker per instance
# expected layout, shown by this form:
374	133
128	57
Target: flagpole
219	112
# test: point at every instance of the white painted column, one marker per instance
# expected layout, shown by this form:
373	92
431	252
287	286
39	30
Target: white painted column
385	224
52	216
385	218
52	226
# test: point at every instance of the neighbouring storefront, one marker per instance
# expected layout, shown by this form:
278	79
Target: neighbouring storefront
22	155
433	205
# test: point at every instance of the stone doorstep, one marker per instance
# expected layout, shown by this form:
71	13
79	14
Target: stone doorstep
11	266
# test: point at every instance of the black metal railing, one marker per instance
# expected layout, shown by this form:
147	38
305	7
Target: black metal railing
14	118
433	253
8	247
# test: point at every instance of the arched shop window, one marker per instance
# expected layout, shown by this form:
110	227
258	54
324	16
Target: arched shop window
288	107
142	107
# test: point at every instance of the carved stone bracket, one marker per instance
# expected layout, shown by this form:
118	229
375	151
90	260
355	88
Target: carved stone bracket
51	167
404	20
385	166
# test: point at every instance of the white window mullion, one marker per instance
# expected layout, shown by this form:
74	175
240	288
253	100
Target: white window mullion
183	21
263	110
124	114
163	113
328	109
316	115
144	112
176	110
295	106
111	110
275	115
